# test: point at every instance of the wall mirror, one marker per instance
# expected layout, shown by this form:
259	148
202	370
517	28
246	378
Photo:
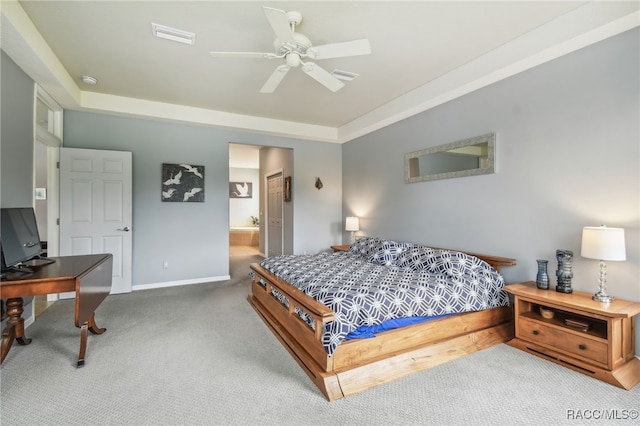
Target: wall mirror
468	157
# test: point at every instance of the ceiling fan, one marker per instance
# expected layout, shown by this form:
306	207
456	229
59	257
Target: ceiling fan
293	47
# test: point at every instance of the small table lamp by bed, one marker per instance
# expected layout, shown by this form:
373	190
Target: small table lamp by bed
602	243
352	224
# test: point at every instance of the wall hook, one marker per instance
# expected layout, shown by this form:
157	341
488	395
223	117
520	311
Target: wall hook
319	184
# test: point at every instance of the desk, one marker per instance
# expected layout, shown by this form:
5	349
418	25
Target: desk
89	276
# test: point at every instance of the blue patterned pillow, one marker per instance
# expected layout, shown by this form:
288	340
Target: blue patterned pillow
365	246
387	252
451	263
457	264
417	258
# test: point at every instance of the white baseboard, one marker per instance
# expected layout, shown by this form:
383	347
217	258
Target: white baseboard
179	283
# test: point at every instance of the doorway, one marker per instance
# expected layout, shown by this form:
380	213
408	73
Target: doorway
265	161
42	205
244	200
48	119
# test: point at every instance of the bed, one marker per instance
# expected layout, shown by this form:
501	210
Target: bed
319	306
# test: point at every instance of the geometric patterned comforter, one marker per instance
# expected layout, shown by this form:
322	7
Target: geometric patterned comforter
378	280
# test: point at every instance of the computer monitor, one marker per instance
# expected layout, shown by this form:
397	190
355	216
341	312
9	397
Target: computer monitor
19	236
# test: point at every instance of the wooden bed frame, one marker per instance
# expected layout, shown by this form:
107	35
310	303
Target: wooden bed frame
361	364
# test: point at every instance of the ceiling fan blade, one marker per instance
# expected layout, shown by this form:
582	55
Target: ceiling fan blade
322	76
279	21
258	55
339	50
275	79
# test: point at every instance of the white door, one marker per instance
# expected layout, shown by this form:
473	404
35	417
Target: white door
274	215
95	208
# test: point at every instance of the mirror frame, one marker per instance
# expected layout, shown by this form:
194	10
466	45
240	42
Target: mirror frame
489	139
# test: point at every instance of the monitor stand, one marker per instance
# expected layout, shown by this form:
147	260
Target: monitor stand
27	267
36	262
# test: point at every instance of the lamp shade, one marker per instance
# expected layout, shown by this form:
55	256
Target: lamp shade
602	243
352	224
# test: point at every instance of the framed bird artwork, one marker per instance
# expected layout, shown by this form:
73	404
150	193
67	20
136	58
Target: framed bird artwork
240	190
182	183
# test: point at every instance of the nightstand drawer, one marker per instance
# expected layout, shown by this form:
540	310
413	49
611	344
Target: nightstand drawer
583	346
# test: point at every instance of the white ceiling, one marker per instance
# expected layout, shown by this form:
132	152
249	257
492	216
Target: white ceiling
423	53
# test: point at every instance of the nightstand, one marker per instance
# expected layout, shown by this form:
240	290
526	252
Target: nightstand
587	336
342	247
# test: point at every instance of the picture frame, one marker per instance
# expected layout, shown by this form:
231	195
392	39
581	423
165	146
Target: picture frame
287	188
240	190
182	183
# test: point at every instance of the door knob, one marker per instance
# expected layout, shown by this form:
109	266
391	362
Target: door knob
125	229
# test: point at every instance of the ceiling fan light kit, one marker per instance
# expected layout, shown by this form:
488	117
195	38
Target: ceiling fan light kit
293	59
293	47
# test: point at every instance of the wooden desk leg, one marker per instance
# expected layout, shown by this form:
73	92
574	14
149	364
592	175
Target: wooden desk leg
14	328
7	340
91	326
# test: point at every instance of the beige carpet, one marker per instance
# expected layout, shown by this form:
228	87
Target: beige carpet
199	355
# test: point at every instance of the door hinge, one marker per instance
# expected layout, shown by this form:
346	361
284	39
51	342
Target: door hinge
58	221
58	165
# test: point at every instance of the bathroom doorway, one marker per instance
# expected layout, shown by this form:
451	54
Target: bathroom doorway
244	200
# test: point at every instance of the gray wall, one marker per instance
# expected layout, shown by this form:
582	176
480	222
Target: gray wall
16	169
194	237
16	143
568	151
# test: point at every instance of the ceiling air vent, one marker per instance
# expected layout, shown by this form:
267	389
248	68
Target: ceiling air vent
173	34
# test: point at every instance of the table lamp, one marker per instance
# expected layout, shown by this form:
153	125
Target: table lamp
602	243
352	224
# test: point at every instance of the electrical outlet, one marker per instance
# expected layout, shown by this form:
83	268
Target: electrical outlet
165	265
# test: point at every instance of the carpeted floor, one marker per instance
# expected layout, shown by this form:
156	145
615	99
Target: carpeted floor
199	355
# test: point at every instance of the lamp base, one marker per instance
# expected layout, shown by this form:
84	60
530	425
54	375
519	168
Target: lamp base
602	297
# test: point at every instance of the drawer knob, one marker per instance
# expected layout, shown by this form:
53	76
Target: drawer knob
582	347
536	332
